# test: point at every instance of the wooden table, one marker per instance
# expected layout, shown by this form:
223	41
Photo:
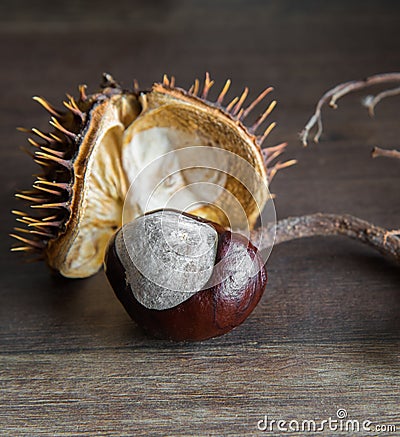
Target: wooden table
326	334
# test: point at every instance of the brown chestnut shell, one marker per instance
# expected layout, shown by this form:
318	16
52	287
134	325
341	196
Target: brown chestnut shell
209	313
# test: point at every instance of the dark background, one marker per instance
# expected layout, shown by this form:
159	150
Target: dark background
326	334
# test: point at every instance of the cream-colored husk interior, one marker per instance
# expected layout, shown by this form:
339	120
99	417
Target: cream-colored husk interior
157	154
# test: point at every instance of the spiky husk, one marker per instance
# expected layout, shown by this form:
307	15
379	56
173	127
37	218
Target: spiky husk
62	154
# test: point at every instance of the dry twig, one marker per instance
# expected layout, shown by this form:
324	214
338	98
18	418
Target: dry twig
333	95
292	228
377	152
371	101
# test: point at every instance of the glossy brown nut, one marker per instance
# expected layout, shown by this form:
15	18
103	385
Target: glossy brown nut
210	312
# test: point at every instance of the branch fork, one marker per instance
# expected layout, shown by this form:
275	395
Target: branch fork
333	95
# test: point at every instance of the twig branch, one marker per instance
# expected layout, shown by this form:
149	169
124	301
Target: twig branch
333	95
371	101
292	228
377	152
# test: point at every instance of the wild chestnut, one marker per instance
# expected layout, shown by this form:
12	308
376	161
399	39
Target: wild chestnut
182	277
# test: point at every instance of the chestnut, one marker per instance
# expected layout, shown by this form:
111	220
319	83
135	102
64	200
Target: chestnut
182	277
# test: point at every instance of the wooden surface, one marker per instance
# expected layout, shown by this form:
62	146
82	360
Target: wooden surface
326	334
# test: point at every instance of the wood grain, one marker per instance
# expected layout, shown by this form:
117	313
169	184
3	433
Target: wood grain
326	334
